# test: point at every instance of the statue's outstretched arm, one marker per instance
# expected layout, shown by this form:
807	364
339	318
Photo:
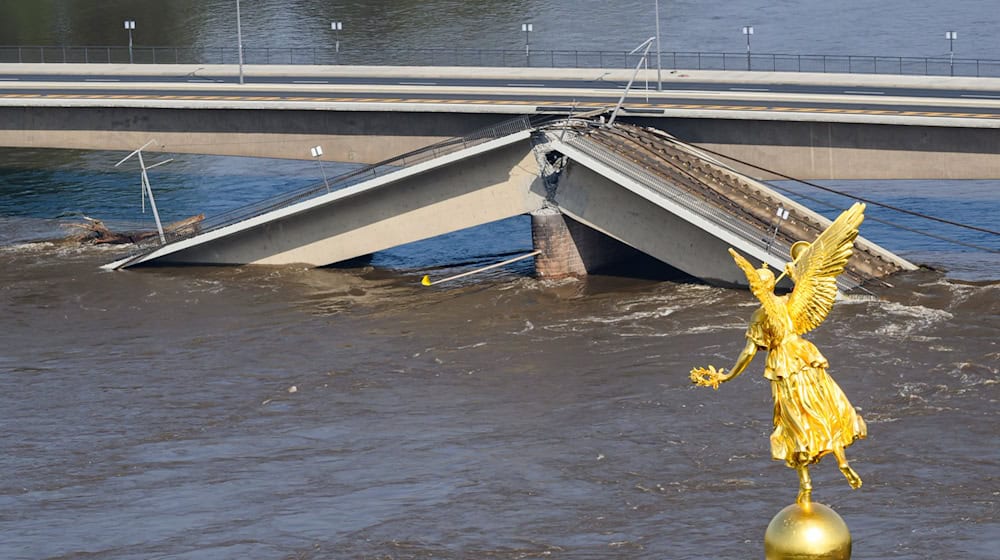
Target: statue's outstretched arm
711	377
743	360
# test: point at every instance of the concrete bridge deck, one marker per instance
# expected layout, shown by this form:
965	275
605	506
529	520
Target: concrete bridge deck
457	184
683	207
808	126
633	187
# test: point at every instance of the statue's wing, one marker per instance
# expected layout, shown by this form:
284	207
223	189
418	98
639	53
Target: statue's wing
816	269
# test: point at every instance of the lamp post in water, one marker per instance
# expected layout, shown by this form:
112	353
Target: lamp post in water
129	26
147	191
951	36
748	31
527	28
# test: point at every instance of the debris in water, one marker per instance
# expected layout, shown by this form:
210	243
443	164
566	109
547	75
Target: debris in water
95	231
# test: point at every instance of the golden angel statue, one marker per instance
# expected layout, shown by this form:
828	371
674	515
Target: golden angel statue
812	416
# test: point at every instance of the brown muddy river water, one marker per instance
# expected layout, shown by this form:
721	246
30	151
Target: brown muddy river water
205	413
287	413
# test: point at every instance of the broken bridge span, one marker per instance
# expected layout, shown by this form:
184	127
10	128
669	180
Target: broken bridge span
597	194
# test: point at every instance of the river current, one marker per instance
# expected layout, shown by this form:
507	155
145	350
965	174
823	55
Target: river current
295	413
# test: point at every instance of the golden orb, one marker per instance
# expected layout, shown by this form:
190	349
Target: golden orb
808	531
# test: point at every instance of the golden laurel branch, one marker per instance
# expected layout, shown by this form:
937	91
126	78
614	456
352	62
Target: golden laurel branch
708	377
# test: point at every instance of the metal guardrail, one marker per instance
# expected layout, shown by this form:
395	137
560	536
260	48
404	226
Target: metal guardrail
348	179
674	60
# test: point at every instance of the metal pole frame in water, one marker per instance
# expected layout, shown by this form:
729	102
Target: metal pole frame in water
426	280
147	190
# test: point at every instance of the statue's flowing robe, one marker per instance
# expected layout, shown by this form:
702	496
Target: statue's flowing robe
812	416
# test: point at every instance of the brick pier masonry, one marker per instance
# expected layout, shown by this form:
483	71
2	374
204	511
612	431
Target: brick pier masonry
571	249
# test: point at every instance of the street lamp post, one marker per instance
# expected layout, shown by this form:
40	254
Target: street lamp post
129	26
951	36
527	28
748	31
659	62
317	152
336	26
239	39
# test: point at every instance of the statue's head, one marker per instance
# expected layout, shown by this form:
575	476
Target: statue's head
765	275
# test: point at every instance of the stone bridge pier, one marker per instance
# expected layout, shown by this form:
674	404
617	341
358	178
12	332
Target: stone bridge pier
570	248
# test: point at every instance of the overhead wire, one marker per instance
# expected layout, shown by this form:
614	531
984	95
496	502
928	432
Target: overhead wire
888	223
873	203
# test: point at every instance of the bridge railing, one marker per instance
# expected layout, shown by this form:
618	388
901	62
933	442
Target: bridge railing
243	213
671	60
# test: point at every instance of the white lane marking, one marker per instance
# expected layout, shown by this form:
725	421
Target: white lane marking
418	83
101	80
982	96
862	92
525	85
202	81
310	82
9	79
748	89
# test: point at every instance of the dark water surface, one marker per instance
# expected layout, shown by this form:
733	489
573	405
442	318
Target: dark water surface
857	27
289	413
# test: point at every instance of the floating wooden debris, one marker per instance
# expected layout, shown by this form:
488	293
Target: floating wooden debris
94	231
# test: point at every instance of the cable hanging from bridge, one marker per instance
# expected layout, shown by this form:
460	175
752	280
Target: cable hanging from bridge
890	224
841	193
873	203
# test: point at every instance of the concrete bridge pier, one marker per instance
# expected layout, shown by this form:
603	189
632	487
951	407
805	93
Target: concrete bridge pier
572	249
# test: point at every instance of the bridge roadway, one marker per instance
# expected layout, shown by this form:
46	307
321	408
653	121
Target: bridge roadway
804	125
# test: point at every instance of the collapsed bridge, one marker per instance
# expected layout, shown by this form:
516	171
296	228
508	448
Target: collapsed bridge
597	193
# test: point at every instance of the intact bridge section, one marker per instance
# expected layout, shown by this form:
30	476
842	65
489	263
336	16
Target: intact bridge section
598	195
